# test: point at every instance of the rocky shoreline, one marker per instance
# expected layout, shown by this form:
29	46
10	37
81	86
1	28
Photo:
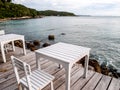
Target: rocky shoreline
103	68
19	18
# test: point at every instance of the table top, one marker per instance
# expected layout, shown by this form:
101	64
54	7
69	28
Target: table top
65	52
6	37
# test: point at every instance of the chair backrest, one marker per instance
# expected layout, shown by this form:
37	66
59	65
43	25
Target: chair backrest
18	64
2	32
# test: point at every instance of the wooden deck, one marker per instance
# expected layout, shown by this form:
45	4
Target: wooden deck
94	81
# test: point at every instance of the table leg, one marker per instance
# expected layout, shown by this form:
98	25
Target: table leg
37	61
24	50
67	81
3	53
86	65
13	46
60	66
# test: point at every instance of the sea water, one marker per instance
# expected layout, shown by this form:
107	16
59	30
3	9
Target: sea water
101	34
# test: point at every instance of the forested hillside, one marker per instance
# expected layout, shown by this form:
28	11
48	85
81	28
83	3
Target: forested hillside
55	13
9	10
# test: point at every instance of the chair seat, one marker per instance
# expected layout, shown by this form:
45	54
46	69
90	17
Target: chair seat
7	47
39	79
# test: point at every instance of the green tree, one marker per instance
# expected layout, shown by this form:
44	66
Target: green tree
3	1
8	9
9	0
6	1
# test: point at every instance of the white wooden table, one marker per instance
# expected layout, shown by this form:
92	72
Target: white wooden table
64	54
10	38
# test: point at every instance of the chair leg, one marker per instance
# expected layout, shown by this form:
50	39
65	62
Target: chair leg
60	66
20	87
24	88
13	46
6	48
52	88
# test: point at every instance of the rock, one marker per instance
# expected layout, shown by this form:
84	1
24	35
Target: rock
104	64
115	75
104	70
118	74
36	42
114	71
18	43
81	61
28	44
33	48
111	68
91	68
110	74
46	44
93	63
51	37
63	33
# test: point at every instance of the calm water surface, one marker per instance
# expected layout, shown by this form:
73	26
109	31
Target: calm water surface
101	34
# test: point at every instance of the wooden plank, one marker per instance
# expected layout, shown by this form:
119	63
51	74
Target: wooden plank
59	80
75	82
7	75
47	64
13	76
8	63
82	81
13	79
57	75
30	59
18	52
56	56
8	80
8	66
103	84
92	82
13	86
114	85
64	52
78	74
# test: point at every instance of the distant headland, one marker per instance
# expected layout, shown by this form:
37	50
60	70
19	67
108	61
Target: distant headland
11	11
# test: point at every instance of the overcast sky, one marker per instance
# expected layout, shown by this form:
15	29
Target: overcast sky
79	7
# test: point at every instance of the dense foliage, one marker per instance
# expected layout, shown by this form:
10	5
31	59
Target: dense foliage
8	9
15	10
55	13
5	1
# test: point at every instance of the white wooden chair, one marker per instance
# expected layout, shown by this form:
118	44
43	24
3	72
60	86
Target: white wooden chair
35	80
7	46
2	32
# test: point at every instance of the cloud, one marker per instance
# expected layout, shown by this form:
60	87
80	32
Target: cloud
102	9
96	7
